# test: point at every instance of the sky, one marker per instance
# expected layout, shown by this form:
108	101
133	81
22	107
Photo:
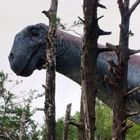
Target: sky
17	14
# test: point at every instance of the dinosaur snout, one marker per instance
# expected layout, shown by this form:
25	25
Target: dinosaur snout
11	56
14	64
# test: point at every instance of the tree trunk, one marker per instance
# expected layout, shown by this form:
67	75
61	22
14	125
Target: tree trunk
66	122
50	72
81	128
89	66
119	107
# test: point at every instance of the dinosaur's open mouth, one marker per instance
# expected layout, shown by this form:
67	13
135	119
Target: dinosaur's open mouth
40	64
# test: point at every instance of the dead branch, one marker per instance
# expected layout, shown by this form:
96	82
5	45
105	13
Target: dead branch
112	64
40	109
101	6
101	50
133	91
74	32
130	114
128	126
44	87
100	17
112	47
78	125
110	81
133	7
131	33
132	52
81	19
101	32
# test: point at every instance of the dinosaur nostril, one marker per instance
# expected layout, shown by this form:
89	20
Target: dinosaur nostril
11	56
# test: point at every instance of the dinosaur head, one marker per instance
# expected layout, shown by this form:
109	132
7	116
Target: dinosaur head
28	51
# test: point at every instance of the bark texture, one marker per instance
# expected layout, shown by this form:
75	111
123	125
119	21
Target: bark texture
120	73
66	122
89	66
50	72
81	127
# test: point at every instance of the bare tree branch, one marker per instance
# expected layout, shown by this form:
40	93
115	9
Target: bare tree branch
40	109
74	32
101	32
127	127
101	6
100	50
133	7
111	46
74	124
132	52
132	114
133	91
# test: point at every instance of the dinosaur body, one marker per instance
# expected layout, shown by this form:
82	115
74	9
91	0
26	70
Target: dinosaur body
28	53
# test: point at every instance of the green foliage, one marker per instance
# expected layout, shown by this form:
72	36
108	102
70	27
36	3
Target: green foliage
103	122
59	130
72	129
11	113
133	133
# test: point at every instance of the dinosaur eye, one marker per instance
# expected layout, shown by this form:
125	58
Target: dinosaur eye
34	32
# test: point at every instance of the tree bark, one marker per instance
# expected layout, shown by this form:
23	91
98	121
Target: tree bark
89	66
50	72
66	122
119	107
81	128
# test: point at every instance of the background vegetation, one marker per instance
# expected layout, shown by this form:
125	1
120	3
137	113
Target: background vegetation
11	114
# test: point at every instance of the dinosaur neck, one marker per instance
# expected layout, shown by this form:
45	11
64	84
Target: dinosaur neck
68	63
68	56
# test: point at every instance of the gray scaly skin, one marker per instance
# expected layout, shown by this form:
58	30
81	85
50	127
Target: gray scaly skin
28	53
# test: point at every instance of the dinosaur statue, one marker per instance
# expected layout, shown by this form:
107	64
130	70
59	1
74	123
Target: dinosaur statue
28	53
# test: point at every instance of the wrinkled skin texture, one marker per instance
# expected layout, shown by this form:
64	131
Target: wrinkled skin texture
28	53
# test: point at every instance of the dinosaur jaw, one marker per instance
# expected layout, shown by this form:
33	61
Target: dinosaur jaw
26	65
27	70
31	66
